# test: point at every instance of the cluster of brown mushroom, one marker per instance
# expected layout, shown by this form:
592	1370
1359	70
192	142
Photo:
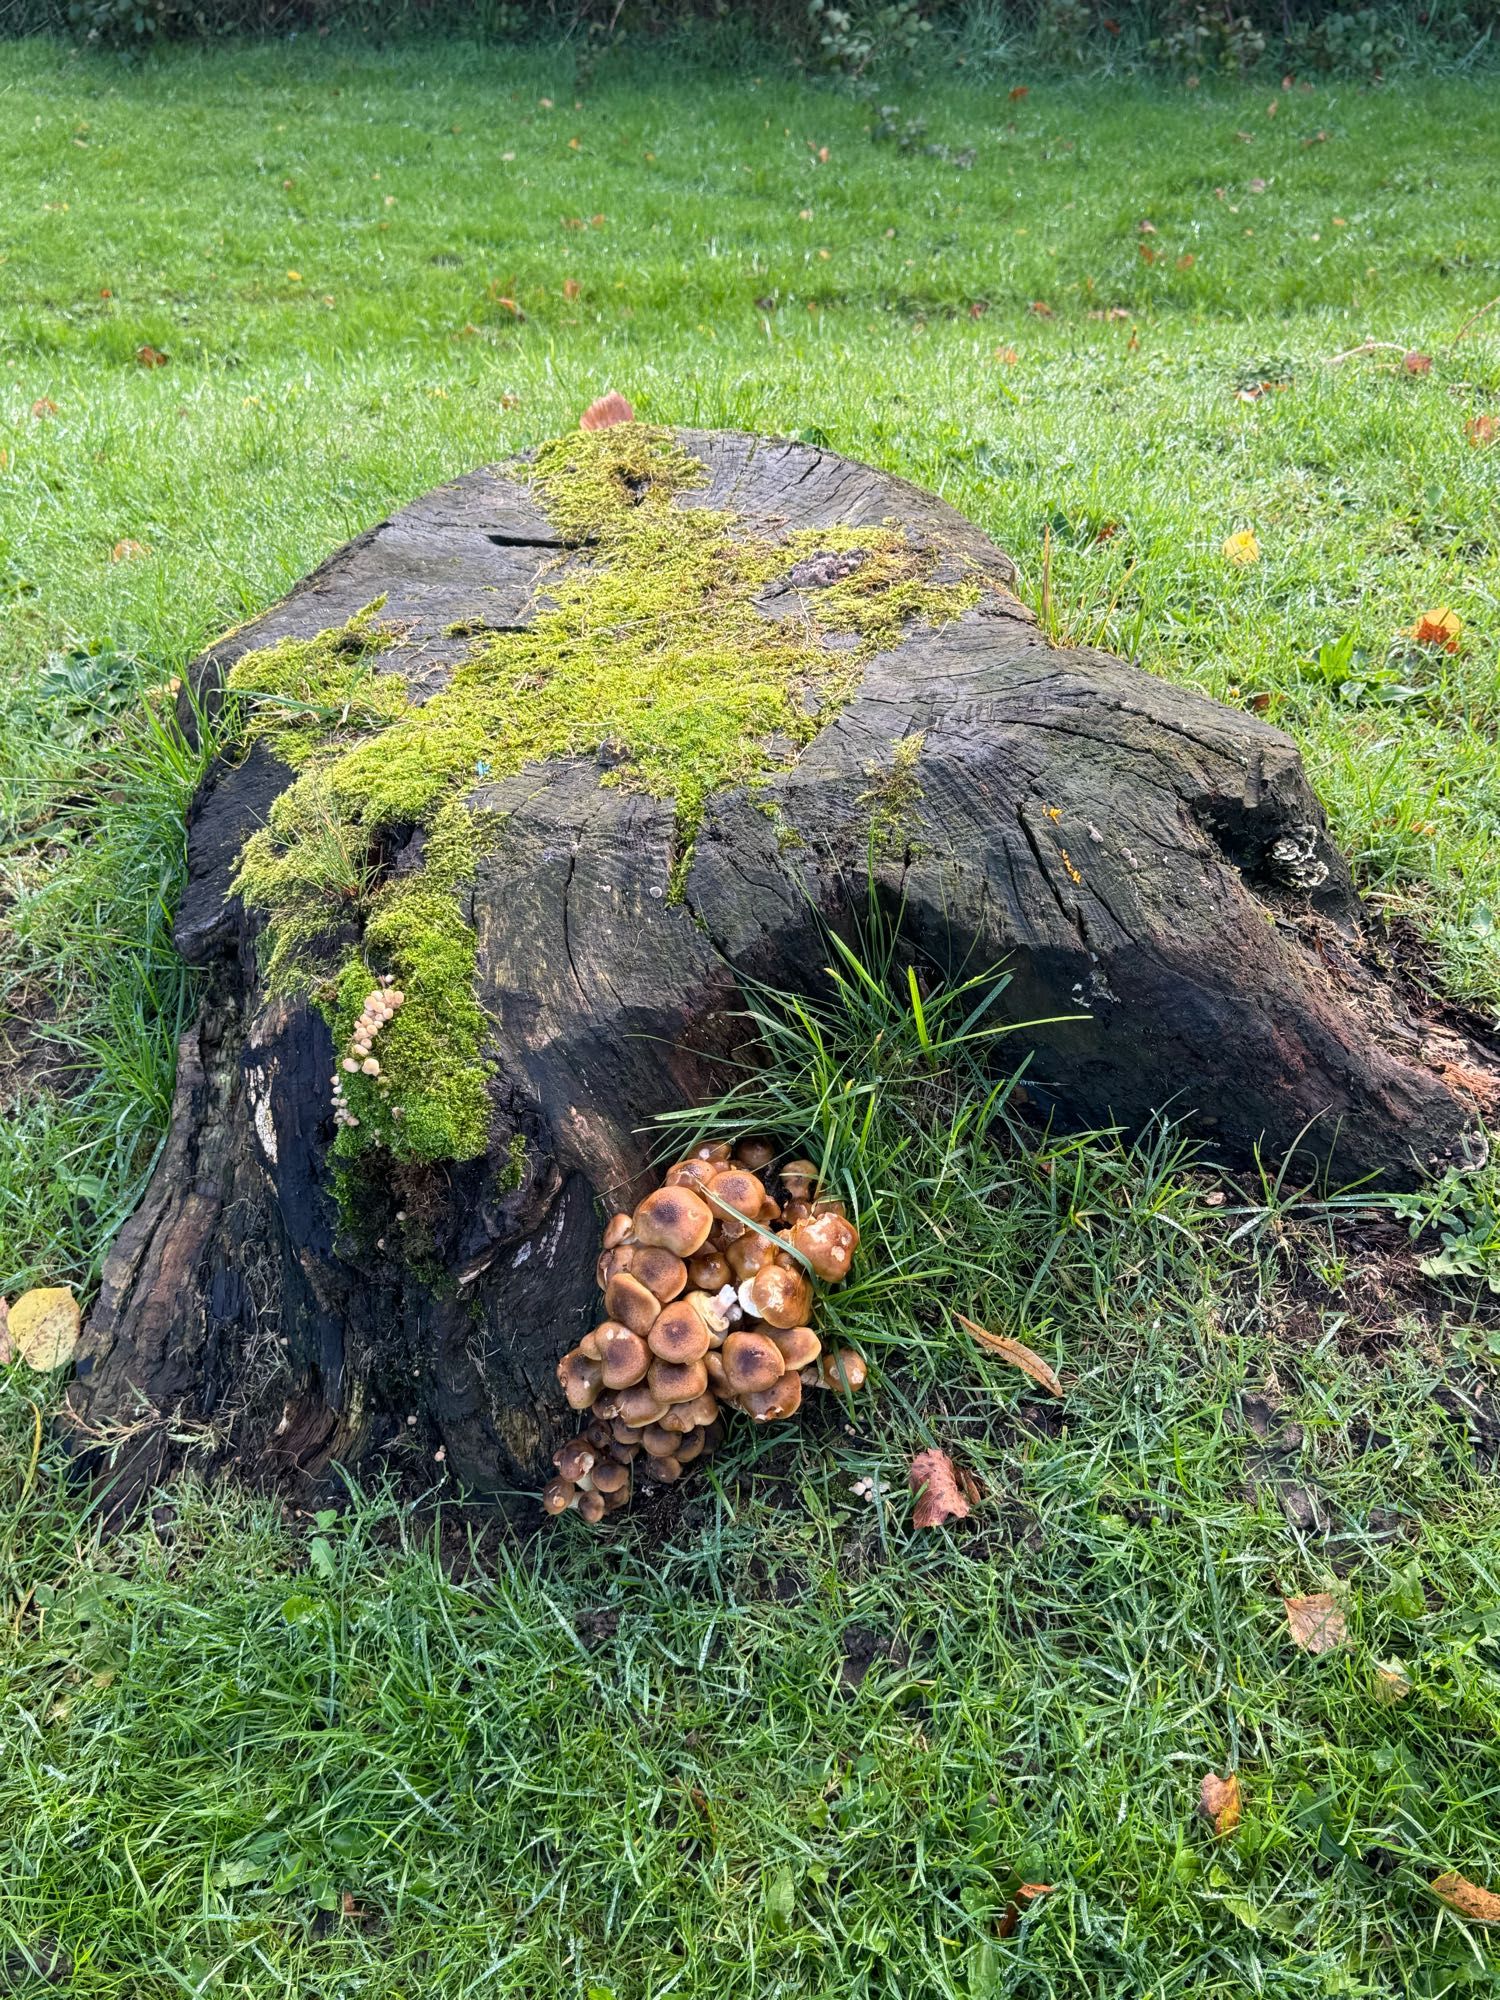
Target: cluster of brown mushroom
359	1057
708	1289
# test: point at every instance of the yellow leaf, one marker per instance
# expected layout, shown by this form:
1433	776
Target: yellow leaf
294	277
1219	1802
1391	1682
1438	628
44	1327
1317	1625
1243	547
1013	1351
1481	1906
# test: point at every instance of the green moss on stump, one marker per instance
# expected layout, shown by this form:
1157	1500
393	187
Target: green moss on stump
650	643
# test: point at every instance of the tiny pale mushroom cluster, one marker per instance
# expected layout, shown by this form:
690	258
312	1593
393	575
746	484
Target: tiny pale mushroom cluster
359	1058
709	1303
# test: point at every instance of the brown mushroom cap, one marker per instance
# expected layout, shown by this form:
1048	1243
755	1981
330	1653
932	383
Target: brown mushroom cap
666	1469
660	1271
843	1369
622	1454
718	1380
692	1415
581	1379
751	1361
796	1210
627	1300
695	1174
776	1295
574	1459
750	1254
690	1445
607	1404
615	1231
677	1381
641	1405
679	1333
659	1441
735	1194
591	1507
709	1270
782	1399
558	1496
599	1434
756	1154
715	1149
622	1432
675	1219
799	1345
828	1242
623	1356
770	1211
799	1177
609	1263
610	1477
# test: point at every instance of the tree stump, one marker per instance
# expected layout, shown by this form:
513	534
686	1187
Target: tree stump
1152	869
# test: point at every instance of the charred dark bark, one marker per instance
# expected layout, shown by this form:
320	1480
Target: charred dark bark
1131	852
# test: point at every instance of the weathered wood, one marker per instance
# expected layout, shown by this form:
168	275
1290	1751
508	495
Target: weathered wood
1133	853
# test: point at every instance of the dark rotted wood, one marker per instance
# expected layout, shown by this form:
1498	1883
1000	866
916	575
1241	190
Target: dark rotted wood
1138	857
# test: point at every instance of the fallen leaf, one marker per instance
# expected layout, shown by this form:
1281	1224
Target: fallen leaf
1481	431
940	1499
1438	628
1027	1893
1021	90
43	1327
1317	1625
1391	1682
1186	261
1416	364
1219	1802
1013	1351
7	1352
1147	254
1008	355
44	407
151	357
1146	228
571	288
1242	548
128	550
1041	309
610	408
1482	1906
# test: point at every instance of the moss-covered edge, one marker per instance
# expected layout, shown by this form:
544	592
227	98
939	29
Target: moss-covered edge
651	643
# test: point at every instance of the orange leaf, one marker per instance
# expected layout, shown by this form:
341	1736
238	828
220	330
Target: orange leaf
1013	1351
44	407
128	550
1481	431
1008	355
1021	90
1219	1802
943	1499
1027	1893
1317	1625
1041	308
571	288
1482	1906
150	357
610	408
1417	364
1438	628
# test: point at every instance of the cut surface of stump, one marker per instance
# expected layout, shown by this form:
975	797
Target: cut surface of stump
563	753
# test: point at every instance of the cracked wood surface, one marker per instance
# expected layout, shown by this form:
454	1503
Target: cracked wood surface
1153	870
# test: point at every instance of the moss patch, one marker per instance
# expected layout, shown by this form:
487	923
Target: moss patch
305	693
895	793
651	645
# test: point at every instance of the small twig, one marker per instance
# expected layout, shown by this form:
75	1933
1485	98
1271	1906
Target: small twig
1488	306
1367	347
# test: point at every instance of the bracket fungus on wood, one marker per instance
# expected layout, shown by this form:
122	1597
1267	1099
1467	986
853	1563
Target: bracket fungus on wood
656	1396
529	781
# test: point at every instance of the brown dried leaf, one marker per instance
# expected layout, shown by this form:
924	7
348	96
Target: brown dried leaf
1027	1893
610	408
1392	1683
1219	1802
1481	1906
1481	431
1316	1622
1013	1351
942	1500
1415	363
152	357
43	1327
7	1351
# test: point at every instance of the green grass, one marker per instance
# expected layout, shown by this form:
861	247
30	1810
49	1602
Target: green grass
639	1763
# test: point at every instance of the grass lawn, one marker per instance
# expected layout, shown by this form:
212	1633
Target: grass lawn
771	1739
